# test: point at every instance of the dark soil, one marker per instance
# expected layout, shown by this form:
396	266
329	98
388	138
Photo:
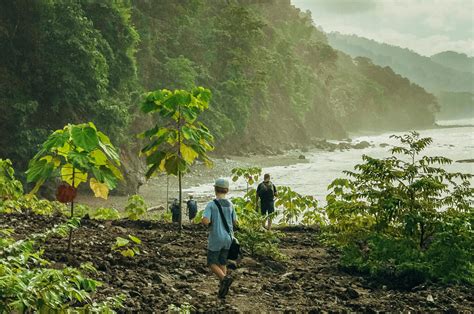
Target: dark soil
172	270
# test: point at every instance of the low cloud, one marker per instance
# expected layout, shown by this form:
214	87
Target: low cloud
339	6
427	27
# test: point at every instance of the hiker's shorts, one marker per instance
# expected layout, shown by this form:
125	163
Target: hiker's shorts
267	208
217	257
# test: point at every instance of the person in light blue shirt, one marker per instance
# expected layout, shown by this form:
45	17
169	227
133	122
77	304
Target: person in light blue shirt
219	240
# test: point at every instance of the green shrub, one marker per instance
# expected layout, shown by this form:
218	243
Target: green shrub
402	219
136	207
252	236
296	205
10	188
127	247
30	203
28	285
105	213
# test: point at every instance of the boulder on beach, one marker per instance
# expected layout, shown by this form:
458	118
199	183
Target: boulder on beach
361	145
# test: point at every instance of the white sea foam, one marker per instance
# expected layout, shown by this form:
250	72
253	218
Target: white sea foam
312	178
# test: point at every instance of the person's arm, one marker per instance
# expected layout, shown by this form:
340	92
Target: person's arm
234	218
256	197
275	192
207	216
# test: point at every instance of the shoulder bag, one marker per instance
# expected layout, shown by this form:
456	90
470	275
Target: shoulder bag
234	250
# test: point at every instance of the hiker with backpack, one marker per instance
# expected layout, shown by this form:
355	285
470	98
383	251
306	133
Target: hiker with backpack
192	208
175	209
220	217
266	192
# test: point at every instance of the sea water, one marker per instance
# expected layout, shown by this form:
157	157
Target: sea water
313	177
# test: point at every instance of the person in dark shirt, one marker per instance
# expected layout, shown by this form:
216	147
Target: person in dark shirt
192	208
266	192
175	210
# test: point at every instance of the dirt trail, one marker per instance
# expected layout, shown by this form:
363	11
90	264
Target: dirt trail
172	270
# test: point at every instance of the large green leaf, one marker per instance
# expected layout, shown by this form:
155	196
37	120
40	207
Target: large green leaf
173	164
67	175
117	173
188	154
120	242
85	137
99	157
151	170
105	175
111	152
80	160
56	140
40	169
155	158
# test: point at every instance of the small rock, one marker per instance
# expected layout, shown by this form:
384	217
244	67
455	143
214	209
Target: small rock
128	284
351	293
429	298
362	145
301	157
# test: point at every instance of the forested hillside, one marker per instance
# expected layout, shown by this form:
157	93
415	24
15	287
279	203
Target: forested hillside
430	73
275	79
454	60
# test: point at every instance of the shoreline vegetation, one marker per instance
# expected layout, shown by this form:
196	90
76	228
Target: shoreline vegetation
381	234
96	96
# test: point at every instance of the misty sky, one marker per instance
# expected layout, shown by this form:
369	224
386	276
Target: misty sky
425	26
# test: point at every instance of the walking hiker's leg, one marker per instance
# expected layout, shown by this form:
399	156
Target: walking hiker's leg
224	269
216	269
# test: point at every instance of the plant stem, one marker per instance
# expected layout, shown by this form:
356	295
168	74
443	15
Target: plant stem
180	224
72	214
167	191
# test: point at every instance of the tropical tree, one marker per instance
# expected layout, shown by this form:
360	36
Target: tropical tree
177	139
73	154
405	216
250	175
295	205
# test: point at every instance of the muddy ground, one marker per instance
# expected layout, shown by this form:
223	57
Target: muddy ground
171	270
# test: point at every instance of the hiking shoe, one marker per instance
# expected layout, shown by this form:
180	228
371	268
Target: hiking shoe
224	286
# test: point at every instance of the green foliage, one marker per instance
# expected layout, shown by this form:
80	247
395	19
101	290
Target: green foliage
68	62
250	175
127	247
73	153
10	188
30	203
198	218
175	146
164	216
136	207
80	210
252	235
181	139
294	205
105	213
395	204
184	308
28	284
426	72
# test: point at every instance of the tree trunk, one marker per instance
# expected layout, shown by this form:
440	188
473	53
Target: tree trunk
180	202
180	223
167	191
72	213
